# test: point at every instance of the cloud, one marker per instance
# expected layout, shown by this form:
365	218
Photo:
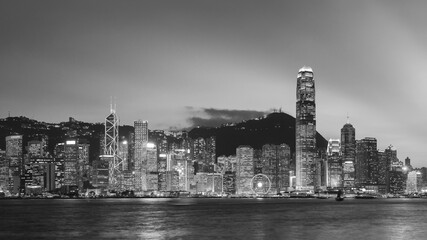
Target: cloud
211	117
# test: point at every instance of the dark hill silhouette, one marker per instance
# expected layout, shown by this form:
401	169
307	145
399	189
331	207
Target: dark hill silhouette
275	128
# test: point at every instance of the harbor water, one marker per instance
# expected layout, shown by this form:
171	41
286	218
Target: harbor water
151	218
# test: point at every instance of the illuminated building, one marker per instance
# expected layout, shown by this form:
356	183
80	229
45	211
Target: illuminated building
75	163
172	181
412	182
201	179
366	162
348	151
397	181
14	155
101	172
229	182
35	148
111	147
210	155
226	164
408	163
70	162
42	173
198	154
276	166
152	173
131	151
306	154
141	140
334	162
4	172
214	183
244	169
162	168
59	164
124	155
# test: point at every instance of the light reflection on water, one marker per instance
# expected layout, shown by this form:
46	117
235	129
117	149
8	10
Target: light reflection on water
214	218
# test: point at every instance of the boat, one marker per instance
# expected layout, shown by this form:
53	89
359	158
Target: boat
365	196
340	196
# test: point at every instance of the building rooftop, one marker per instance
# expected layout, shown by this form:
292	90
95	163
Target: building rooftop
305	69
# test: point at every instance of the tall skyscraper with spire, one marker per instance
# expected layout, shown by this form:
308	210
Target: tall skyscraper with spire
348	149
305	130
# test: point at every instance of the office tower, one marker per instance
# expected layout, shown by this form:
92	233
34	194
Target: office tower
4	172
14	155
244	169
131	151
348	152
397	181
111	148
198	154
141	140
59	164
152	170
124	155
276	165
83	165
408	164
412	182
35	148
366	168
305	130
334	162
75	163
386	161
226	164
71	162
100	177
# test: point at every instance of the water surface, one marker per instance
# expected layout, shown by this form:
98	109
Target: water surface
213	219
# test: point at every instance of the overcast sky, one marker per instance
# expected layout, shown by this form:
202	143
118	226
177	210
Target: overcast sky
170	61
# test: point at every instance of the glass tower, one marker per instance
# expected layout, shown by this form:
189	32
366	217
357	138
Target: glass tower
305	130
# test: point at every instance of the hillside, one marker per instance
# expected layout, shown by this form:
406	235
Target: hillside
275	128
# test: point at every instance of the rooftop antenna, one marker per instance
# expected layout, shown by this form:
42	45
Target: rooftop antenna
112	106
348	119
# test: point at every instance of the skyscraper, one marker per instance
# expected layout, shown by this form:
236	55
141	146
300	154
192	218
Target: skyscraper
348	150
14	155
244	169
141	140
334	178
366	162
305	130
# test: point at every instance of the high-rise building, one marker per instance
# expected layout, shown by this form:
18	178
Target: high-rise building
306	154
276	165
334	161
71	154
4	172
14	155
76	163
367	163
348	153
124	155
244	169
141	140
413	182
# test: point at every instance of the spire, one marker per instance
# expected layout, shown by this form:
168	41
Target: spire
112	105
348	119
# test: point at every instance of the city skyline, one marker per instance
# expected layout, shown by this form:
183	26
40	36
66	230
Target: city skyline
169	63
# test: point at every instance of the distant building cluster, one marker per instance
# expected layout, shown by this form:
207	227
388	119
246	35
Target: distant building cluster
159	163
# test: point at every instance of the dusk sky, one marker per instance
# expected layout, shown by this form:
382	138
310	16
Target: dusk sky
175	62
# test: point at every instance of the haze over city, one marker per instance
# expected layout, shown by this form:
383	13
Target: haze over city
179	64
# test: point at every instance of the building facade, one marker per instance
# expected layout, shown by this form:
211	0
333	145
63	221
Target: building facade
348	153
306	154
